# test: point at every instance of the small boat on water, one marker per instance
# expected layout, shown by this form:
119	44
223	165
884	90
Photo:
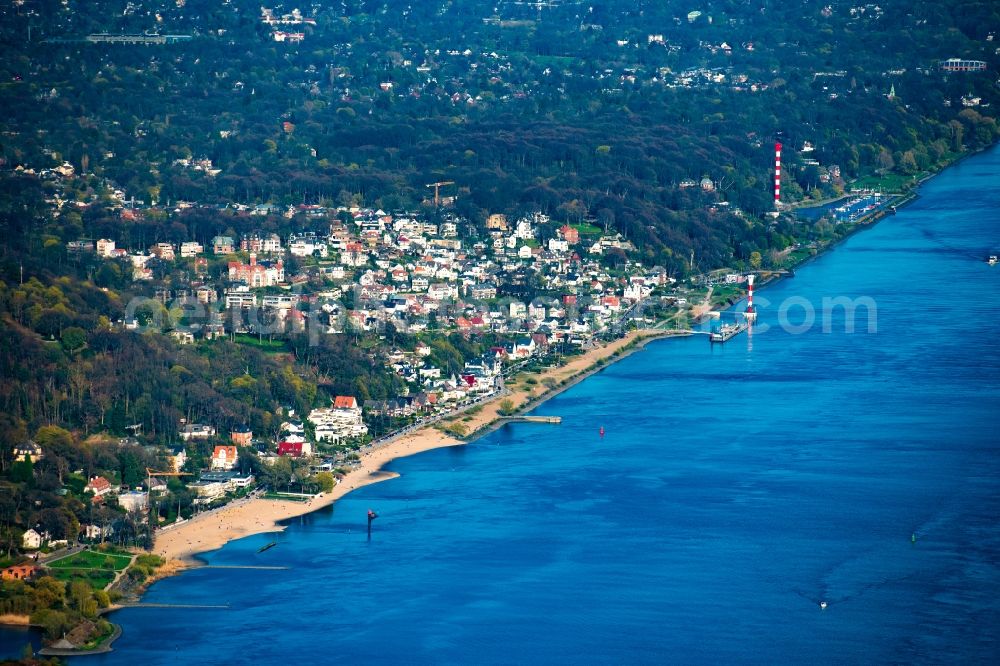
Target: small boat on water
268	546
992	260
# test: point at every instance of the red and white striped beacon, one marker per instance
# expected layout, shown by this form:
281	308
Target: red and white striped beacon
750	313
777	176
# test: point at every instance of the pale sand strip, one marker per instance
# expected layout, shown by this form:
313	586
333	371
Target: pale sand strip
15	620
210	531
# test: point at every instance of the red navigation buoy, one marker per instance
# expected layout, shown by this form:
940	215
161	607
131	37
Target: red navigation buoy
602	431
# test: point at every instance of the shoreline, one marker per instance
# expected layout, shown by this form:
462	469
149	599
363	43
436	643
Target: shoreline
181	546
866	222
15	620
906	197
634	341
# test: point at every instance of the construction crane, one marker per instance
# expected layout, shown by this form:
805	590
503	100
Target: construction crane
149	478
437	190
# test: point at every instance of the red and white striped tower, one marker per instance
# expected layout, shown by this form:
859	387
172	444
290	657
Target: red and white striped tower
750	313
777	176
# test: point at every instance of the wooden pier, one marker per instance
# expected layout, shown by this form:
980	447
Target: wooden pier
154	605
532	419
243	566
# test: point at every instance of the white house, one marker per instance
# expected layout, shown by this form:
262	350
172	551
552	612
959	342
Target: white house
99	486
523	230
231	481
191	249
558	245
524	348
196	431
177	458
293	428
95	532
105	247
32	540
239	297
207	490
342	420
133	501
303	247
224	457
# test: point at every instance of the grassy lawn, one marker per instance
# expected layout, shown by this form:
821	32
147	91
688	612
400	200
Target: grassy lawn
587	229
797	256
891	182
95	578
722	293
287	498
89	559
263	345
95	641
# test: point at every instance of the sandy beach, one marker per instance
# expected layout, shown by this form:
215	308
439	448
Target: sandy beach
211	530
524	394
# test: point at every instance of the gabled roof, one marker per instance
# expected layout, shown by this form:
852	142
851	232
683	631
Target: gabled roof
345	402
98	483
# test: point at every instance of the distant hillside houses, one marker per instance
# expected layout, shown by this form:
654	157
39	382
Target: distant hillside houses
962	65
224	457
270	244
482	374
191	249
308	247
196	431
414	273
28	452
133	501
223	245
254	274
341	421
292	440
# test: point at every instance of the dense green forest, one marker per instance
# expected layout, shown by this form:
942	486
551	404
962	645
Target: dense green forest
587	113
569	109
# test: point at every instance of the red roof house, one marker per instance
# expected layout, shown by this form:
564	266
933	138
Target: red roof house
293	449
224	457
569	234
345	402
98	485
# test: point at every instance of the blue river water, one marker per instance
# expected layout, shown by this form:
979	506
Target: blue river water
737	486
